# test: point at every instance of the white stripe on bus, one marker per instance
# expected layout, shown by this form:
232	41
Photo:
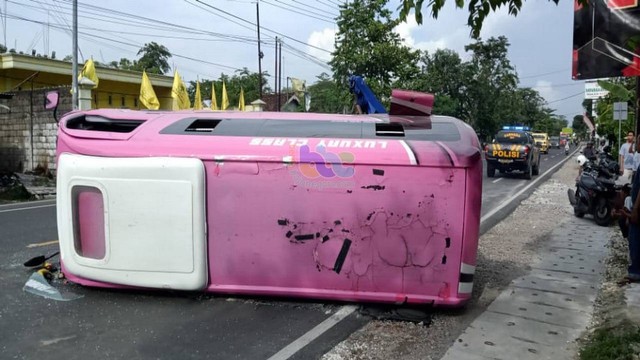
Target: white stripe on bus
412	156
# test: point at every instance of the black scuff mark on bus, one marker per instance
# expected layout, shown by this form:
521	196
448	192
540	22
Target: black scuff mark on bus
450	178
283	222
325	238
349	191
304	237
373	187
289	234
342	256
337	222
378	172
371	215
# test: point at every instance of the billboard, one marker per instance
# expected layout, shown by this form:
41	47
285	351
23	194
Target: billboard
606	39
593	91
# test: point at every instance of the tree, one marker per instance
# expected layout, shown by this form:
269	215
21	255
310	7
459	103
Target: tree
154	59
126	64
478	10
443	75
491	80
367	45
327	96
578	125
621	89
244	79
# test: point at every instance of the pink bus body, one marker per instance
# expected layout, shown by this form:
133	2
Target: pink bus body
340	207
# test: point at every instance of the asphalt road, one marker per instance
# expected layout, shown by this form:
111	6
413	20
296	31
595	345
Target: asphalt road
163	325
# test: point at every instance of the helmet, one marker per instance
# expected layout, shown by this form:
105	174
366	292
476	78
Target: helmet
582	160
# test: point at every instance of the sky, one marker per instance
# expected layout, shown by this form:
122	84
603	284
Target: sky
210	37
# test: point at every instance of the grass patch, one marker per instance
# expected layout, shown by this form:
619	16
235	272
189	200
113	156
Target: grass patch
619	343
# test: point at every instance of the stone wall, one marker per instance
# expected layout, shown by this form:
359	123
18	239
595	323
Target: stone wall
28	131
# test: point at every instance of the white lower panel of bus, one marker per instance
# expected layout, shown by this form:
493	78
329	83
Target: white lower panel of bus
133	221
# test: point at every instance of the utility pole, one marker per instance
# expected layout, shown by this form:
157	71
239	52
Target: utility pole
260	55
280	75
74	64
275	76
5	24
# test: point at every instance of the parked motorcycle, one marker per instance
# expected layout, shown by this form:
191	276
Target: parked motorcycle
596	190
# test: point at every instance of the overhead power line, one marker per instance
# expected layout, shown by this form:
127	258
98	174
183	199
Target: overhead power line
544	74
149	23
137	46
332	15
327	3
566	98
298	12
267	29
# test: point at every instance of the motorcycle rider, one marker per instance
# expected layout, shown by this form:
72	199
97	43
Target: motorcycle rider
566	148
589	152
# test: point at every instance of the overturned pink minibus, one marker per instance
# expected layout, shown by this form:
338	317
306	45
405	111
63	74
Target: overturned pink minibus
382	208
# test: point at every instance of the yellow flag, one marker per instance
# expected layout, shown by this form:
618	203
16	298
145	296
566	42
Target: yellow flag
225	99
299	87
214	101
241	100
89	72
179	94
148	97
198	98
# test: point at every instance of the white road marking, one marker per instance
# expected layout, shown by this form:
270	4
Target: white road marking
496	180
56	340
304	340
43	244
27	208
52	201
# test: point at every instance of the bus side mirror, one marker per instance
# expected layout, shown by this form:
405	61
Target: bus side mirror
51	100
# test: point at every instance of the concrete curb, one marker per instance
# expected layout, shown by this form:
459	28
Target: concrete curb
540	314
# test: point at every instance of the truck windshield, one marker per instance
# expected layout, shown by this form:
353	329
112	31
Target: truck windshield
511	137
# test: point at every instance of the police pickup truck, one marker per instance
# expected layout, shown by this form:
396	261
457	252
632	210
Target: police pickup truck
513	149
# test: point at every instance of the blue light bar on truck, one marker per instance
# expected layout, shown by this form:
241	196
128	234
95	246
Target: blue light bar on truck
521	128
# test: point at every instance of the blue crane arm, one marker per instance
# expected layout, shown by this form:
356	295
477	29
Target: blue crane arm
368	102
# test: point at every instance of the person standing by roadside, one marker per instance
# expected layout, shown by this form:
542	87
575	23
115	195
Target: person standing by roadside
634	229
636	156
626	159
634	233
